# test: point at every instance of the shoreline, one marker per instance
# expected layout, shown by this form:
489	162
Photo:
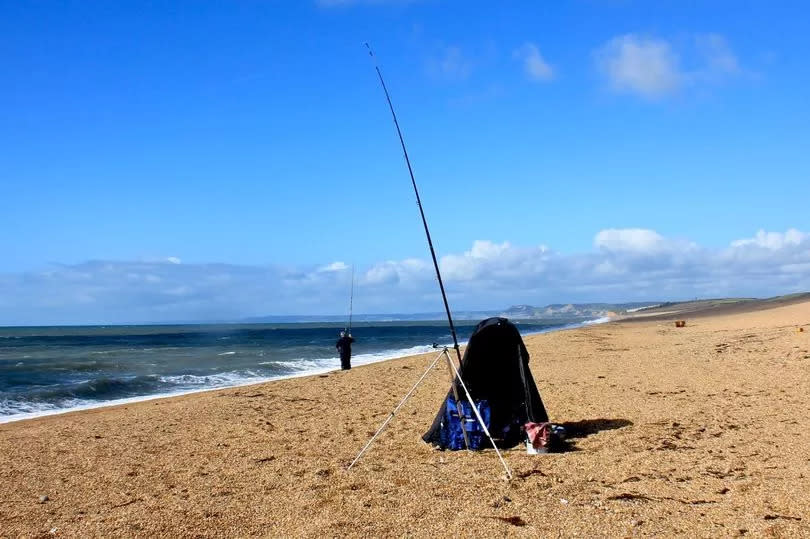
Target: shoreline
261	380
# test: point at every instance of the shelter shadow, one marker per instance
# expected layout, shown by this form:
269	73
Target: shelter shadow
586	427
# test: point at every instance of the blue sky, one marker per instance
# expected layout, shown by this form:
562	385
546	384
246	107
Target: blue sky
652	150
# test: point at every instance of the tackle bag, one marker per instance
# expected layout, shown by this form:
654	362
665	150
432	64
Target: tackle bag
451	434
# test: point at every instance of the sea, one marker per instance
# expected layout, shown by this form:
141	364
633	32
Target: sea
48	370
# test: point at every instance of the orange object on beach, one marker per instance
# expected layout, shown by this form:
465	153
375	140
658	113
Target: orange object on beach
680	323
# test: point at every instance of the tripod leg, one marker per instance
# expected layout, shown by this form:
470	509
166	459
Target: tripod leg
392	414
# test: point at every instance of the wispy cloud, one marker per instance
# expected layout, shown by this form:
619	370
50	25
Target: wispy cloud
652	68
774	241
451	64
624	264
334	266
534	65
640	65
719	61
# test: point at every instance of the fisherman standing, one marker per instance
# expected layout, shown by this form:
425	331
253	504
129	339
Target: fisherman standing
344	348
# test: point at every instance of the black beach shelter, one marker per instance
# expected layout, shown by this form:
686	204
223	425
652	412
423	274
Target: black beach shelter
492	371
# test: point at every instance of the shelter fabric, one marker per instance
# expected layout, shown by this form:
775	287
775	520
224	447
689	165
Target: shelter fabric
492	371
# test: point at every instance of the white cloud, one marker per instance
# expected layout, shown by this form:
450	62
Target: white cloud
334	266
652	68
641	65
407	273
451	64
624	265
385	273
173	260
640	241
773	240
534	65
491	261
628	239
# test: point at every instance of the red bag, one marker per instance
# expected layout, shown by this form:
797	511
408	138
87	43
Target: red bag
543	437
540	437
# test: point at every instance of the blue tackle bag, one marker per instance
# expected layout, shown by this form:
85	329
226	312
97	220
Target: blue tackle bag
451	434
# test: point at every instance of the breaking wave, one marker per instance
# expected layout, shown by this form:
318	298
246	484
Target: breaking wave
56	374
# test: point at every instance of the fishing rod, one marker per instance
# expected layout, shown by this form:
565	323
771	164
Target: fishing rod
418	203
351	300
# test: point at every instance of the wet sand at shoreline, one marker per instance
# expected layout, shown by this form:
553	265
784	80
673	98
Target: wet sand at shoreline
701	430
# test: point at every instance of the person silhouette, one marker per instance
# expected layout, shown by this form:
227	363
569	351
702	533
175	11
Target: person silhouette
344	348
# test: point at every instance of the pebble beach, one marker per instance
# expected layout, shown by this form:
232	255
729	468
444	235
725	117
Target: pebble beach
699	430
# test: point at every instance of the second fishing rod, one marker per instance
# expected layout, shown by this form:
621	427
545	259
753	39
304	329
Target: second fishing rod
351	302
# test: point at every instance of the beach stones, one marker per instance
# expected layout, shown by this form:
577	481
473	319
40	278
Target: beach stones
44	498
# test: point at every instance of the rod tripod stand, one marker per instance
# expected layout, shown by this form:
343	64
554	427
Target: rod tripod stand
454	376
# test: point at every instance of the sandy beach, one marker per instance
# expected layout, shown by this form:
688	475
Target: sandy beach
697	431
